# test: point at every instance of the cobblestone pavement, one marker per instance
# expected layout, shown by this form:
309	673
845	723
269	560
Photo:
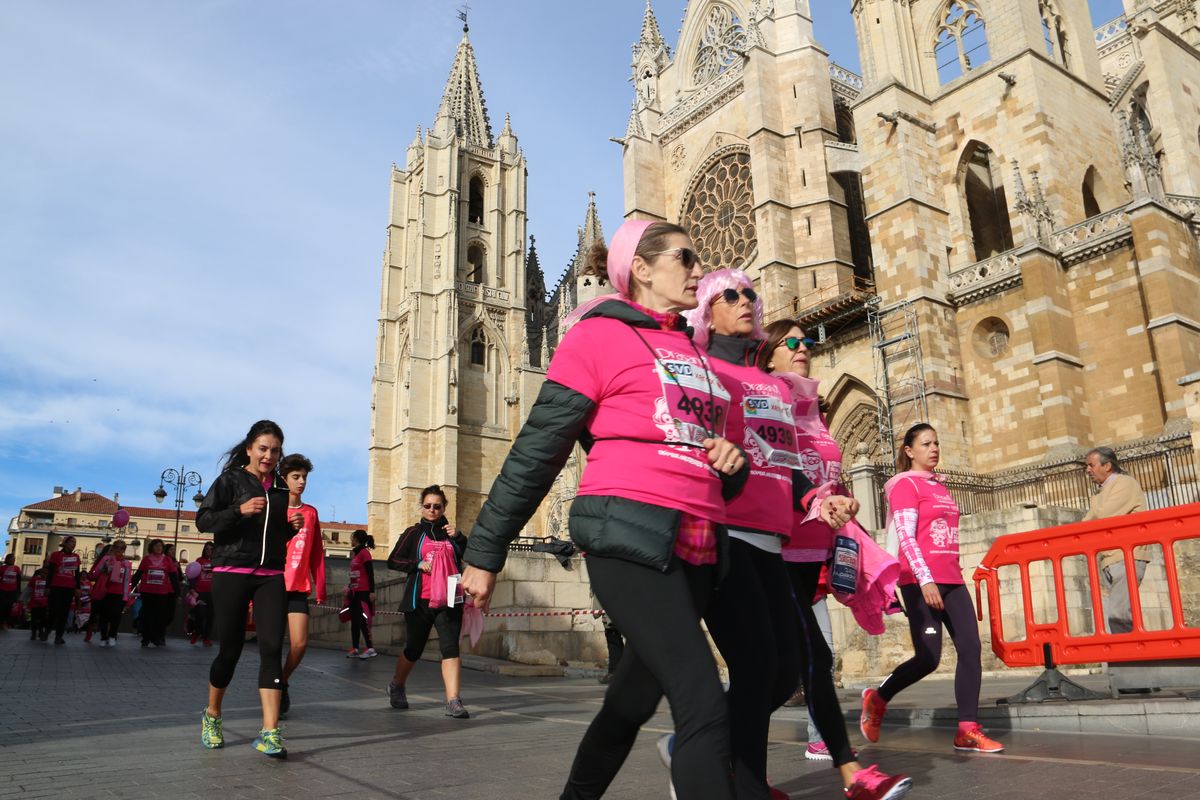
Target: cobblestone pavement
78	721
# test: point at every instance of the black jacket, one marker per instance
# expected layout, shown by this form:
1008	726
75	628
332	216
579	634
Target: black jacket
406	555
744	352
241	541
600	525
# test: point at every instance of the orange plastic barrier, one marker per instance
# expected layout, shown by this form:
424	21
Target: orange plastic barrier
1053	640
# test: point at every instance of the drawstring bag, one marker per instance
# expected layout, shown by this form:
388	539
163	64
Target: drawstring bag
472	622
443	571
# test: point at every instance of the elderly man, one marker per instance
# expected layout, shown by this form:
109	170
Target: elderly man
1119	494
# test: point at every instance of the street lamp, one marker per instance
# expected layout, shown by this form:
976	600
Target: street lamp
180	479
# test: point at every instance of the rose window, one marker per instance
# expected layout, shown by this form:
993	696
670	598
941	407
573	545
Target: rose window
719	213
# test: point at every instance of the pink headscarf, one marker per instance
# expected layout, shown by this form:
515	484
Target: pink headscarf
710	287
620	263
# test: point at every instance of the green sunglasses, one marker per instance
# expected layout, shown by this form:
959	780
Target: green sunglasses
793	343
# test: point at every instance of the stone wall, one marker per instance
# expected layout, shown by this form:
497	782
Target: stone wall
529	583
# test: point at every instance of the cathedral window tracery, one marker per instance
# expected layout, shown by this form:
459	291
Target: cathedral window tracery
961	44
718	212
479	347
722	42
1054	33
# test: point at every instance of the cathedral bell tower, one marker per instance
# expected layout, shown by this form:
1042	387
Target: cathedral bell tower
451	382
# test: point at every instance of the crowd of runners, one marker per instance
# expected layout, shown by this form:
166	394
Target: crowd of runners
711	500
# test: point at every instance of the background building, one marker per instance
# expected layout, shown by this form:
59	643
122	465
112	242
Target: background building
38	530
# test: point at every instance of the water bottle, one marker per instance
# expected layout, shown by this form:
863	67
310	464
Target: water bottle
843	574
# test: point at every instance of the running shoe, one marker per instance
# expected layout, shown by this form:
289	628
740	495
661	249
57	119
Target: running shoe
456	709
192	639
113	641
975	740
285	702
368	653
87	638
270	743
665	746
104	642
397	697
352	652
873	709
210	731
873	784
817	751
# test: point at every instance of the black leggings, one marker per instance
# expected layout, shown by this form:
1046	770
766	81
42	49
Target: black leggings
752	620
60	605
232	593
156	612
360	602
816	666
38	625
109	609
204	615
666	652
925	625
421	620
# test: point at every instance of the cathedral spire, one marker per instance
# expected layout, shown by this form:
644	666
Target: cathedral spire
651	37
591	232
463	101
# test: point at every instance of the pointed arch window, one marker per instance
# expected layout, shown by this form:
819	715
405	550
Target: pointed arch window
1054	33
475	264
475	200
1091	206
722	43
479	345
986	205
961	43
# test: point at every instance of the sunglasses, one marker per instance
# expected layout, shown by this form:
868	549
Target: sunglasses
432	506
730	296
687	256
793	343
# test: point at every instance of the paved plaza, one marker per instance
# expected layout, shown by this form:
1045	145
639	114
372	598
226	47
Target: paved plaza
79	721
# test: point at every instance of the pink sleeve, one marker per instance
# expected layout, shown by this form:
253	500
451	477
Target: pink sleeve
903	502
574	361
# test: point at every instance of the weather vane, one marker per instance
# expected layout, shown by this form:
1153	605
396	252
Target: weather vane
463	10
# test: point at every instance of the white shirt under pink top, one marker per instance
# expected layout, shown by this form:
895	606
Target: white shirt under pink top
925	519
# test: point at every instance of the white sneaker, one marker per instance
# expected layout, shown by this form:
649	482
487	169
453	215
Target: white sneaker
112	642
368	653
104	642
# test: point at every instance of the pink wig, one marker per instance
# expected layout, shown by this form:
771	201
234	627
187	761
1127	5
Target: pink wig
710	288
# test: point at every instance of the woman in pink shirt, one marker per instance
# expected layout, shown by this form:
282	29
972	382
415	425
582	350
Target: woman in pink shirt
629	385
113	575
10	588
362	594
924	518
63	580
203	589
786	353
39	598
158	577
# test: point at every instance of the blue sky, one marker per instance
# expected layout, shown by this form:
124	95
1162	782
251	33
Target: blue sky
193	207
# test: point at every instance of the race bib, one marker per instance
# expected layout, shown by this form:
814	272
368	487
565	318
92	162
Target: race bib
155	577
770	435
691	414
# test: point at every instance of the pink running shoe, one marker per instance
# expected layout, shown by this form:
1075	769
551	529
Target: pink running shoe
873	784
873	709
817	751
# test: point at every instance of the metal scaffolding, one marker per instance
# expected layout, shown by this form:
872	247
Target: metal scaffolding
899	370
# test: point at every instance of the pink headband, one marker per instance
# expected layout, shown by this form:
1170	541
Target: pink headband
620	253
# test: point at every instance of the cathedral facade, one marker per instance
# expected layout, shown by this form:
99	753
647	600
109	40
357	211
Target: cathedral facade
994	228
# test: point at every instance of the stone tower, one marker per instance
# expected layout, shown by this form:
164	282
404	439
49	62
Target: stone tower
730	136
452	384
